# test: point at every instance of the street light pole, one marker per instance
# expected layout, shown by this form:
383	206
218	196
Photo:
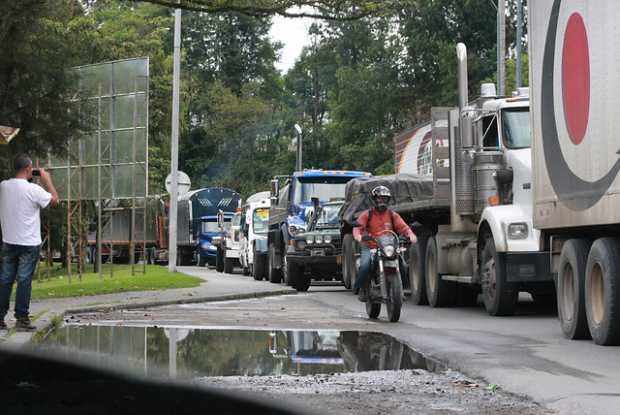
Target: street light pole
501	47
299	148
518	76
174	146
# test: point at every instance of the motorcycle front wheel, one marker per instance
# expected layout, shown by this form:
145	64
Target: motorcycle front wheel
395	297
373	309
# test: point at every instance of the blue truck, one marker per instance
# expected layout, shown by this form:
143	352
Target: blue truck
198	229
295	199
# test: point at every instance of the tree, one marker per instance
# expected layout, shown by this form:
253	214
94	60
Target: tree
36	45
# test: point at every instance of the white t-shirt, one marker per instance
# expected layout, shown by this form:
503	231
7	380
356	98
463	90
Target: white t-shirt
20	204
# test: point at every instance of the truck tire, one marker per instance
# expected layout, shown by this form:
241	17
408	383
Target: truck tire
258	268
417	272
229	265
500	296
440	293
201	261
602	292
219	261
571	289
275	274
297	277
347	260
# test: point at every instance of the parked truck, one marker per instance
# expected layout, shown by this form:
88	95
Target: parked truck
475	225
198	229
573	56
230	244
291	199
254	241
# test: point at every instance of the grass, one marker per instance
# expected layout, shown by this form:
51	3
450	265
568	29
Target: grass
156	278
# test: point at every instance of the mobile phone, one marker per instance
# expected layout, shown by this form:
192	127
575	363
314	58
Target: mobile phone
36	172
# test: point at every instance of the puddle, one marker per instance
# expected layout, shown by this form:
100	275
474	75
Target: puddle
187	353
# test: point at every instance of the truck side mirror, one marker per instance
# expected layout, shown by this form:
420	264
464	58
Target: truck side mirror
467	132
275	190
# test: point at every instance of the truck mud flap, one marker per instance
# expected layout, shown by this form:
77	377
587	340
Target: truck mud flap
527	267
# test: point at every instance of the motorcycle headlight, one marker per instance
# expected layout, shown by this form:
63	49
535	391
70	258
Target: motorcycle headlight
328	239
318	239
389	251
309	239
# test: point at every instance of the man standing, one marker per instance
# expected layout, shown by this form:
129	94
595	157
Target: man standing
375	222
20	205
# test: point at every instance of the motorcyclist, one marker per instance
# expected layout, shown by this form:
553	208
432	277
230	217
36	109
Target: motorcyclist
374	222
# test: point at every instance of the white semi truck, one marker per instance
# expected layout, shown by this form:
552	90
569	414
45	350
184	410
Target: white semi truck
254	242
574	63
475	231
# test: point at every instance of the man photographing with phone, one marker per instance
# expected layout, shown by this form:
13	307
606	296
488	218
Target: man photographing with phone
20	219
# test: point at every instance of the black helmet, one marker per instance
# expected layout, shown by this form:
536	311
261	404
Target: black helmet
381	196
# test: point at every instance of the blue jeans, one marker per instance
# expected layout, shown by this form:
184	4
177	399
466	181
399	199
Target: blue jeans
365	264
18	263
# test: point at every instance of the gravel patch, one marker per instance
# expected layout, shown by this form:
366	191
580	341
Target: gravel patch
383	392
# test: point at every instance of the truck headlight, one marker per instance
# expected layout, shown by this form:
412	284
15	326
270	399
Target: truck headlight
318	239
328	239
517	230
309	239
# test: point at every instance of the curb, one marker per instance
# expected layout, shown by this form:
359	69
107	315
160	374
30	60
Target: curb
134	306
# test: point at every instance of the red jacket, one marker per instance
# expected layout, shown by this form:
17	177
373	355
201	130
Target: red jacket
379	222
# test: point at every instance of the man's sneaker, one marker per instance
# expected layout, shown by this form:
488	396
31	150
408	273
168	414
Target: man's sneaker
3	325
363	296
24	324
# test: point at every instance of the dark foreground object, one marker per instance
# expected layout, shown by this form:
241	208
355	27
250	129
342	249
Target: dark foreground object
32	384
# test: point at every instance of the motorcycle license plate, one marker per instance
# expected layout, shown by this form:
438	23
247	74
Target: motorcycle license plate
317	252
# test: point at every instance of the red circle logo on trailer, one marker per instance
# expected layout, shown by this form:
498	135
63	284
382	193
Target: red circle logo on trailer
576	78
573	191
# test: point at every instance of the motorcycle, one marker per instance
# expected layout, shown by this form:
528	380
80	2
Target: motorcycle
385	284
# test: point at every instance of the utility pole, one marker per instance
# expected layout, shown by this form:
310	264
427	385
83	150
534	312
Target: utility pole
299	148
501	47
174	146
518	76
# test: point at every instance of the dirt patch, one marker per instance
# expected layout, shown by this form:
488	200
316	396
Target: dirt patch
383	392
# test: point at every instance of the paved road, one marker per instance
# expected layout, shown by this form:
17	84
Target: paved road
525	354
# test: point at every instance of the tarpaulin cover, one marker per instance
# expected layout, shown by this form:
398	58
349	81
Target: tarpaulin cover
406	189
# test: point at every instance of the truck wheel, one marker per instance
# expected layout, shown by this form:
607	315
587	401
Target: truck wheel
571	289
201	261
417	272
258	268
500	296
275	274
347	249
297	277
229	265
440	293
219	261
603	291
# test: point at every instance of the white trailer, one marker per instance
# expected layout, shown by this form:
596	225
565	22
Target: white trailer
574	64
253	255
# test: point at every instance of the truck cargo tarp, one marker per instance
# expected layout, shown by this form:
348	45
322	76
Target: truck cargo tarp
407	190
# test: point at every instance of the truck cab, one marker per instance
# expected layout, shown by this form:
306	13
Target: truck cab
210	239
254	242
291	201
231	243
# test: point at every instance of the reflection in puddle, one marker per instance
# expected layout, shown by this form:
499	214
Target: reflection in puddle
190	353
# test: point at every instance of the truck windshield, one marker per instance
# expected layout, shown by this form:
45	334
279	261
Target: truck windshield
329	215
260	220
208	227
325	189
517	128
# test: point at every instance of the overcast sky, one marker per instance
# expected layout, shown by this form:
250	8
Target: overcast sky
293	33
